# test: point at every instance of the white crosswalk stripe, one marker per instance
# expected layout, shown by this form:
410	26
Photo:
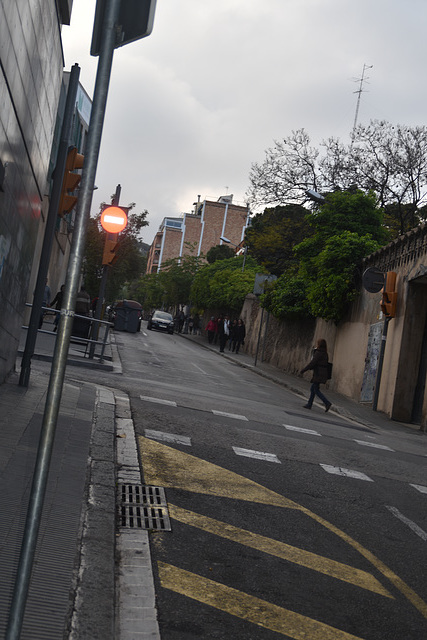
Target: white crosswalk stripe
419	487
158	401
311	432
258	455
168	437
349	473
374	445
224	414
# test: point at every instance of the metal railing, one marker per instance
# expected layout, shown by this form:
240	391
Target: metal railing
82	339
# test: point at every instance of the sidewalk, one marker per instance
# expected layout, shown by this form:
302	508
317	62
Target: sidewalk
78	353
341	405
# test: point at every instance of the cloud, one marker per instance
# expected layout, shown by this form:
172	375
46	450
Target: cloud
192	106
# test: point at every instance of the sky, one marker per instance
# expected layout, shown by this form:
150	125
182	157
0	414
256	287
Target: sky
192	106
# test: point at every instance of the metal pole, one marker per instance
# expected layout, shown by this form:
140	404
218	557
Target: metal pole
265	336
259	336
38	489
380	365
49	233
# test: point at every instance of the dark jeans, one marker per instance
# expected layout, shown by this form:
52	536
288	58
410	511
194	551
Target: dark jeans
315	391
222	341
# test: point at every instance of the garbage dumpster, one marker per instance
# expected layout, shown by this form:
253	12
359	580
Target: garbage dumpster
127	316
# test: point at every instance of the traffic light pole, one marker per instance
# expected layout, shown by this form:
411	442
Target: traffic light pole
49	233
56	381
380	364
103	285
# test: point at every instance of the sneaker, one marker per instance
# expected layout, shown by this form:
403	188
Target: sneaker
306	406
328	406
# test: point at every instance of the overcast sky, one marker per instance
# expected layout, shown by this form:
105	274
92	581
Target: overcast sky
192	106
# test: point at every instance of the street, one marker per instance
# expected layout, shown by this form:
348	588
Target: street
285	522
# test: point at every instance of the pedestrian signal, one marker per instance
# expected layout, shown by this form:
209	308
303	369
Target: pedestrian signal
67	201
109	256
389	298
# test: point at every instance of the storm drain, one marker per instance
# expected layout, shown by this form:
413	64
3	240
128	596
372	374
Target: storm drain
143	507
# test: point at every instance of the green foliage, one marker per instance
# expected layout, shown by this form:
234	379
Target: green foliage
169	288
346	228
331	277
287	297
273	235
219	252
348	211
223	286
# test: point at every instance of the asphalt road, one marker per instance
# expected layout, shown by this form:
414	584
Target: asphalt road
285	523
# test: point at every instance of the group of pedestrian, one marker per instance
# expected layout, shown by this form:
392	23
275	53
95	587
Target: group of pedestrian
231	334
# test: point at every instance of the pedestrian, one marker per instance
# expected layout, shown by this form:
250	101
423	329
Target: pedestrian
57	303
81	325
212	329
45	303
319	365
233	336
241	334
196	324
223	332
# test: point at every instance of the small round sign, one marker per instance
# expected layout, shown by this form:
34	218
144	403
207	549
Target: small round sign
113	219
373	279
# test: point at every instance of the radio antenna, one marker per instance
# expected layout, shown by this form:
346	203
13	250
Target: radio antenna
359	92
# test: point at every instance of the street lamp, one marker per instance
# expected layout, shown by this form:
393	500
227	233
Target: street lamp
226	240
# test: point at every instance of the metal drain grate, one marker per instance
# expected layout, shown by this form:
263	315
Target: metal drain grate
143	507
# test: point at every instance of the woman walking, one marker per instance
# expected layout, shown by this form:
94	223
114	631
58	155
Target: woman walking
319	365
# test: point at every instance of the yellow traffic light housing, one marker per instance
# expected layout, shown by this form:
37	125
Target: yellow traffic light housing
109	256
389	298
67	201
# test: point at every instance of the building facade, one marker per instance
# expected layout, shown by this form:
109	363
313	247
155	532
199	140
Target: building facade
31	63
195	233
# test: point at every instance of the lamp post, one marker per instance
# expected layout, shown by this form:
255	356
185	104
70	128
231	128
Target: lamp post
227	241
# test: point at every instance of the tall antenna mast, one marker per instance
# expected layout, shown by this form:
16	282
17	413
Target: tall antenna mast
359	91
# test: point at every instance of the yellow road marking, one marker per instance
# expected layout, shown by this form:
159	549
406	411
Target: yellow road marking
306	559
246	607
168	467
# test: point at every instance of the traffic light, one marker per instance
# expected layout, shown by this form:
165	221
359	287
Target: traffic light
389	299
109	256
70	181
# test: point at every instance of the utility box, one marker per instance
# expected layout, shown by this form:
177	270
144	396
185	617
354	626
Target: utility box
127	316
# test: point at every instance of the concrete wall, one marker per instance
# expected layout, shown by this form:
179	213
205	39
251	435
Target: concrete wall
403	382
30	82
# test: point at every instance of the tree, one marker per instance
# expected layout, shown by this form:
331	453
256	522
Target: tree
389	160
223	286
347	227
272	236
219	252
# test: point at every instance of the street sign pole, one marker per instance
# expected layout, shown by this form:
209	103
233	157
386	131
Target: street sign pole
56	381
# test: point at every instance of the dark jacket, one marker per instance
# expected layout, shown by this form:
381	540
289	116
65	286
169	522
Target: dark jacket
319	364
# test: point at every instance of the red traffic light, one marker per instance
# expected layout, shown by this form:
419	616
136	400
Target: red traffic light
113	219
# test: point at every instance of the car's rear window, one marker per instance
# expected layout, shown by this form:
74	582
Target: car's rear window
162	315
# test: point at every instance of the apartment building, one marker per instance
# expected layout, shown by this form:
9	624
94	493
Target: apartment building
195	233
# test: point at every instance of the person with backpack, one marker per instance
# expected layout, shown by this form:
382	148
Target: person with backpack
319	365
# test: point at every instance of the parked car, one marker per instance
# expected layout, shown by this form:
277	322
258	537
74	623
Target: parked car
161	320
